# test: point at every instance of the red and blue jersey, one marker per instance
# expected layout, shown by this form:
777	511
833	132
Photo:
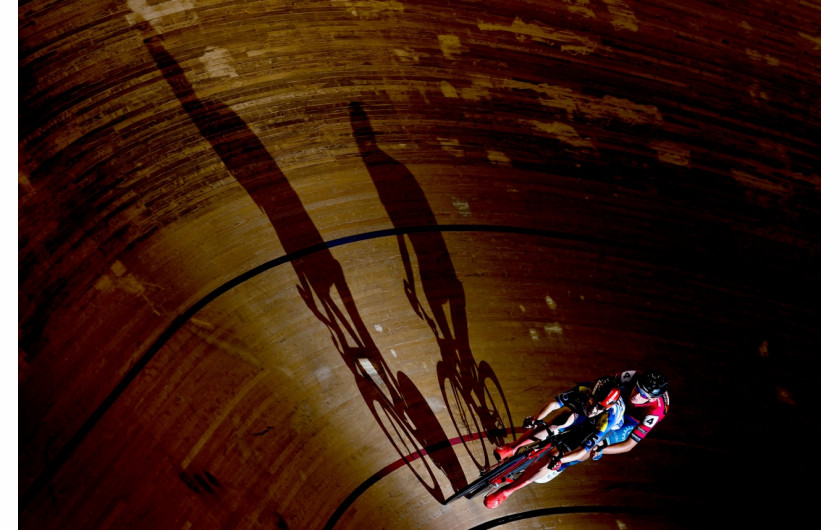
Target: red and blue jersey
646	415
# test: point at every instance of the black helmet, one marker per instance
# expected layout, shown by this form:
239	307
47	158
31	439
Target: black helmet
605	391
652	383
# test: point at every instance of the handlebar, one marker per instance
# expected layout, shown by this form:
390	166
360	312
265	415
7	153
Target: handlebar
553	437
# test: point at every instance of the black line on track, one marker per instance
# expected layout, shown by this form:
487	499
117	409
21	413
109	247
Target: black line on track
63	455
560	510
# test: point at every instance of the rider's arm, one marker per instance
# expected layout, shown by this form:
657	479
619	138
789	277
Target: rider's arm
572	456
548	408
621	447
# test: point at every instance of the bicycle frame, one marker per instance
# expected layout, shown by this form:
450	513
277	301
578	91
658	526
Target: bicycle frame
516	463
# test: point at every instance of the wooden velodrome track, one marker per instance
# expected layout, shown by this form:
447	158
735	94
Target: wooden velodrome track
303	264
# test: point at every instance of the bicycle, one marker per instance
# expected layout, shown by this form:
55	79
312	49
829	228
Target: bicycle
506	471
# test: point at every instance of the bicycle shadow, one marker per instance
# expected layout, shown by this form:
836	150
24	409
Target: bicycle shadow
395	402
464	384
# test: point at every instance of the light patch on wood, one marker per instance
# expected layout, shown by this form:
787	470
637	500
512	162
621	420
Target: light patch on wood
218	63
751	181
451	146
25	184
480	89
393	353
549	301
142	11
592	107
535	335
622	16
521	308
815	40
623	109
756	93
563	132
405	56
758	56
118	268
436	404
378	328
202	324
463	207
672	153
498	157
746	25
367	7
450	45
104	284
448	90
763	349
569	42
553	329
784	395
127	283
580	8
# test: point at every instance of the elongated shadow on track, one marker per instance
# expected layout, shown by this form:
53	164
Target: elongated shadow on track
396	403
471	391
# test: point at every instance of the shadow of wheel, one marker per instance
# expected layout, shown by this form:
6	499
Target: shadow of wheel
405	443
494	403
463	413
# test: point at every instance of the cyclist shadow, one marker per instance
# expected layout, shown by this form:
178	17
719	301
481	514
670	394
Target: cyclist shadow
472	393
397	405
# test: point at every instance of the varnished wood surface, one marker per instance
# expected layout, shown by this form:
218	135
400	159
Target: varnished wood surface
280	262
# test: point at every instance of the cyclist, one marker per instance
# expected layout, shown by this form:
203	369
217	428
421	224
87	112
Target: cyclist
589	413
647	404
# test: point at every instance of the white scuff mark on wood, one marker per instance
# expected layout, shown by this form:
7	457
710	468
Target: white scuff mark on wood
218	62
462	206
142	11
549	301
553	328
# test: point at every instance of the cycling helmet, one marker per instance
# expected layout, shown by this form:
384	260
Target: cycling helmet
652	384
605	393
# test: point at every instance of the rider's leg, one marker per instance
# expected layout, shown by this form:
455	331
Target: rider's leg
530	436
536	471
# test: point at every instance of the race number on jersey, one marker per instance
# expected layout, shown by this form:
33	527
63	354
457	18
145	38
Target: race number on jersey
650	421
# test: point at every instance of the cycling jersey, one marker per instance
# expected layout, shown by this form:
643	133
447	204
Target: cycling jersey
599	426
644	417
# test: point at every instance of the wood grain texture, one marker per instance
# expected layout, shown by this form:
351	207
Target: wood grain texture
280	262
